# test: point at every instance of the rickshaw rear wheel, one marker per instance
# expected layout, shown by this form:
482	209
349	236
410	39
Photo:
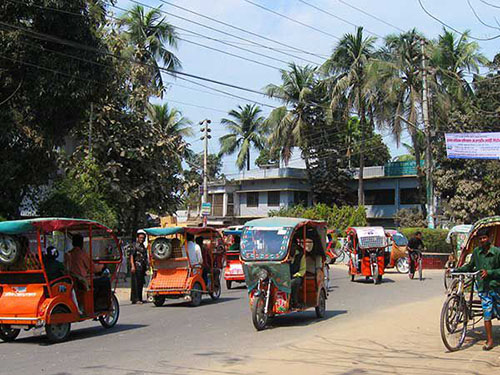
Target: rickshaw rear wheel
58	332
259	317
228	284
402	265
215	294
158	301
8	334
321	308
110	320
196	295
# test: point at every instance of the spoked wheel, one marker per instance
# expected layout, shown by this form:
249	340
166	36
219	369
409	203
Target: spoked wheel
402	265
259	317
375	274
158	301
58	332
8	334
110	319
446	279
196	295
228	284
454	320
217	290
321	308
420	277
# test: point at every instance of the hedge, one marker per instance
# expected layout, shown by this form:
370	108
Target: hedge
434	239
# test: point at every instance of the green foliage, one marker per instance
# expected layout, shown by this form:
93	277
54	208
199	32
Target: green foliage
409	217
268	156
80	194
336	217
434	239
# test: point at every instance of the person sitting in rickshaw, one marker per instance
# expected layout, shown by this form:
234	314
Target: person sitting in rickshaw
297	270
53	267
486	258
235	246
194	251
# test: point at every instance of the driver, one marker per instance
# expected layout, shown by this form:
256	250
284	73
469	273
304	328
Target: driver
53	267
415	247
486	258
297	270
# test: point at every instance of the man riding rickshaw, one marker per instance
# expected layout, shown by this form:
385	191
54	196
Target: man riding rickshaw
366	246
283	260
37	290
233	271
186	263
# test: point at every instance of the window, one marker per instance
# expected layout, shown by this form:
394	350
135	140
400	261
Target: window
300	197
252	199
409	196
273	198
379	197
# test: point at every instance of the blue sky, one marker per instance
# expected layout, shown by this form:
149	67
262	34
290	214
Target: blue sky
404	14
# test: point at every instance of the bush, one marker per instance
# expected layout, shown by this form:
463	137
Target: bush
409	217
434	239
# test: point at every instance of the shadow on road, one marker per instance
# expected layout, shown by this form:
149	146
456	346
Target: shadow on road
204	302
385	280
303	318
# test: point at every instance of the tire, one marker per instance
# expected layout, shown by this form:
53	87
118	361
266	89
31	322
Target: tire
420	270
402	265
8	334
158	301
161	248
352	277
453	322
375	274
321	308
196	295
216	293
341	257
110	320
58	332
259	317
228	284
10	250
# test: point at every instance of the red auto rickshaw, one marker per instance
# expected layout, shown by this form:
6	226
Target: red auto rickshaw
233	271
366	247
175	274
29	298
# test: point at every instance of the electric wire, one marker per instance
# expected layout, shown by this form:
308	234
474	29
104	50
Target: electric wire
372	16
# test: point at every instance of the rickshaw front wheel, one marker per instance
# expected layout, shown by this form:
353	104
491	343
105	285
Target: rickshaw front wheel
110	320
259	316
321	308
196	295
158	301
58	332
8	334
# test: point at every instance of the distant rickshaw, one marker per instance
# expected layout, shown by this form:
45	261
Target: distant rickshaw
32	296
233	270
395	253
456	237
175	271
366	246
267	252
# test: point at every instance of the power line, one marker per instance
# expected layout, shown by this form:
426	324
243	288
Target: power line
491	5
454	29
479	18
371	15
292	19
336	17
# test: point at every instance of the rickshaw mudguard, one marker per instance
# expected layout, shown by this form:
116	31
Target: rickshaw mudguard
279	274
21	301
59	300
366	269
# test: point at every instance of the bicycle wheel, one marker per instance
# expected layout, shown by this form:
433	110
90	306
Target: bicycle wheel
341	258
420	269
453	323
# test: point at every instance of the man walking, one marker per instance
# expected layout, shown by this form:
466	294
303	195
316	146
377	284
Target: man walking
138	268
486	258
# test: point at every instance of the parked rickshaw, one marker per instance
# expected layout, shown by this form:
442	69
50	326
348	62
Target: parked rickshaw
267	252
462	307
366	246
395	253
233	270
175	274
33	296
456	238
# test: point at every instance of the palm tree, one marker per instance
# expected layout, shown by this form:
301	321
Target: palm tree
149	34
245	126
346	72
288	123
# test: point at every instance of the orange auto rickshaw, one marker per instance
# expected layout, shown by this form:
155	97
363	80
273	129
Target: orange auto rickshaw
366	247
176	271
395	252
233	271
30	296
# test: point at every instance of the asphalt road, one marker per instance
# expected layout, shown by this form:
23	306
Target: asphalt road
177	339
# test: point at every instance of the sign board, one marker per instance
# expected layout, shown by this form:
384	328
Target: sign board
473	145
206	209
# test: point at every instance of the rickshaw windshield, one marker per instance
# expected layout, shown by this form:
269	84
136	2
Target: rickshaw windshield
265	243
400	239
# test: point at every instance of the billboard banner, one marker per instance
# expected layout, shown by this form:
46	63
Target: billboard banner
473	145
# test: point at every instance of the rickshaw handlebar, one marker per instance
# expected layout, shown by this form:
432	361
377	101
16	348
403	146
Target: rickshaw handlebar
466	274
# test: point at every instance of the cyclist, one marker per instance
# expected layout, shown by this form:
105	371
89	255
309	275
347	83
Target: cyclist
415	247
486	258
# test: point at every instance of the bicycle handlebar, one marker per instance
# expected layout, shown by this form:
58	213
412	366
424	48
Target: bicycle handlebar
469	274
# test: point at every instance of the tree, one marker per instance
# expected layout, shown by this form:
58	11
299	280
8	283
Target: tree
268	156
346	72
245	126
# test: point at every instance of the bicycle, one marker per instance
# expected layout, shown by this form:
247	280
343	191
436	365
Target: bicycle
459	309
416	257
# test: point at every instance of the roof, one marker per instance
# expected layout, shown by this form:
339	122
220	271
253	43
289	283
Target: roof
463	229
45	224
168	231
232	232
278	222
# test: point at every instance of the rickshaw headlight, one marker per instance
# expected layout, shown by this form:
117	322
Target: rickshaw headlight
262	274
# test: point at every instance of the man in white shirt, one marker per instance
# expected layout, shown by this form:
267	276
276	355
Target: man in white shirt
194	251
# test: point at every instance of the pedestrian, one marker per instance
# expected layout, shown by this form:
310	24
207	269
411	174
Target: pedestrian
415	247
138	268
486	258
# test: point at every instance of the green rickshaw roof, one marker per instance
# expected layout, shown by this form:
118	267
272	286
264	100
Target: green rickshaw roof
47	224
486	221
271	222
164	231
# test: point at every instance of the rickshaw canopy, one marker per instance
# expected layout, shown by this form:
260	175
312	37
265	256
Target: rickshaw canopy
458	229
14	227
370	237
232	232
168	231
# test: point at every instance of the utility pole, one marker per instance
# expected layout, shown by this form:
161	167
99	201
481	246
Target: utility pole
427	129
206	136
